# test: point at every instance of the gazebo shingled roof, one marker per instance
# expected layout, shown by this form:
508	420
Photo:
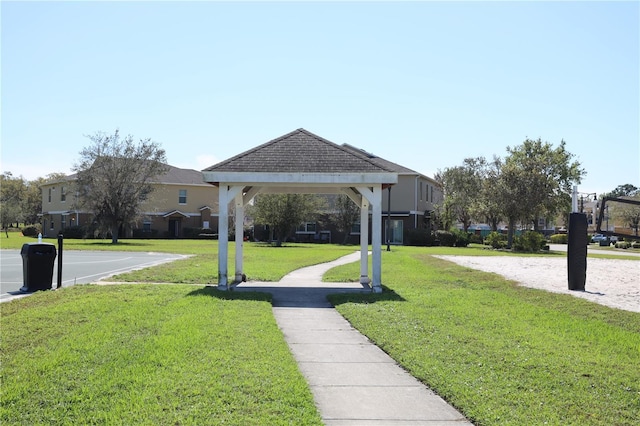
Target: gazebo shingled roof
299	151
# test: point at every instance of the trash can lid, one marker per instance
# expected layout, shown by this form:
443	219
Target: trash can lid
38	247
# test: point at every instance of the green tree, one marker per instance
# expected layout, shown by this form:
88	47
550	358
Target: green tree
114	177
284	212
347	213
629	214
536	181
626	190
11	192
461	186
487	206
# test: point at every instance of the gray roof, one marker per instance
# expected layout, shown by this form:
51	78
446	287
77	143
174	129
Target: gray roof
382	162
300	152
175	175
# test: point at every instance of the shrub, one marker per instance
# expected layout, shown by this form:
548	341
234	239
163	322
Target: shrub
476	239
496	240
446	238
31	230
622	245
77	232
636	245
462	238
559	239
419	237
530	241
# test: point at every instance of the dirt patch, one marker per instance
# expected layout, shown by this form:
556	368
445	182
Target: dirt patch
610	282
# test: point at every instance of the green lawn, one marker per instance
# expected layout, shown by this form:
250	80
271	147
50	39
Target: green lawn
501	353
148	354
188	354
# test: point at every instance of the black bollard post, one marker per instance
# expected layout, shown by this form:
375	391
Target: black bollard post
60	238
577	251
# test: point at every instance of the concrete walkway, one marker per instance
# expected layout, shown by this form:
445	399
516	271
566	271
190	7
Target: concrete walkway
353	381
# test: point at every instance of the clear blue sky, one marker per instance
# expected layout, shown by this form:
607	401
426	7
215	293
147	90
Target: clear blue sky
423	84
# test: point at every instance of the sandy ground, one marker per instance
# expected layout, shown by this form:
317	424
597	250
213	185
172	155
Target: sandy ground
614	283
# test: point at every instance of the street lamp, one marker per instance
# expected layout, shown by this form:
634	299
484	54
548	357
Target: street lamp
595	198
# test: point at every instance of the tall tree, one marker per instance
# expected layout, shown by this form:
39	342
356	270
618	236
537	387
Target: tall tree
284	212
461	186
489	205
12	190
115	175
347	213
536	181
626	190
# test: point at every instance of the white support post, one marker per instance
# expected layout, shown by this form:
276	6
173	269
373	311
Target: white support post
226	194
239	204
376	239
364	241
223	236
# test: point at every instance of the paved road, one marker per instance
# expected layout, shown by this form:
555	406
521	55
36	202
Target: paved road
79	267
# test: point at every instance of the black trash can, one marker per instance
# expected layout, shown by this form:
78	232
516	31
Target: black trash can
37	266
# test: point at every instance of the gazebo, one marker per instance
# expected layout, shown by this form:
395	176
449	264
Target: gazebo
300	162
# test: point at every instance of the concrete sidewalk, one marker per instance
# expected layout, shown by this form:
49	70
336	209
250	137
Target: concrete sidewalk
352	380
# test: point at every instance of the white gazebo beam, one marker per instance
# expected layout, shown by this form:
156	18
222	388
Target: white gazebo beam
364	241
226	194
374	196
239	219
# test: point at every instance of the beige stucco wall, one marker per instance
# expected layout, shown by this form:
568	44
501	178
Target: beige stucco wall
164	198
406	195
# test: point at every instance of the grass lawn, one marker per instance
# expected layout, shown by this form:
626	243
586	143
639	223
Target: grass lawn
186	354
148	354
501	353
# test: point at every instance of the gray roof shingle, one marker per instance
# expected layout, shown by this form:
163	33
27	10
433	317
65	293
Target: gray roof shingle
300	152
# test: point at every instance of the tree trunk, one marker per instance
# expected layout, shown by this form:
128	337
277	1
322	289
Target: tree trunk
114	233
512	224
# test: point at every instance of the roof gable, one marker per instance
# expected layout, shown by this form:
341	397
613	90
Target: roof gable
299	152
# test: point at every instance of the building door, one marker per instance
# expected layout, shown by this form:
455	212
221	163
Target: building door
174	228
395	231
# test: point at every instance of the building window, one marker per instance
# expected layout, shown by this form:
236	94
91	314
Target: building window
395	231
355	228
51	226
50	194
421	190
63	194
307	228
182	196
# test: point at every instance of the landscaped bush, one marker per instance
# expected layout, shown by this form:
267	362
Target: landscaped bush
623	245
476	239
203	233
636	245
419	237
462	238
446	238
496	240
142	233
559	239
31	230
77	232
530	241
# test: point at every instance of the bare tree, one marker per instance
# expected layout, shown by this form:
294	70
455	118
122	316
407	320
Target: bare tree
114	177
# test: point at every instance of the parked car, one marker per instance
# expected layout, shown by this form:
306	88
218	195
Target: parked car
596	238
599	238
